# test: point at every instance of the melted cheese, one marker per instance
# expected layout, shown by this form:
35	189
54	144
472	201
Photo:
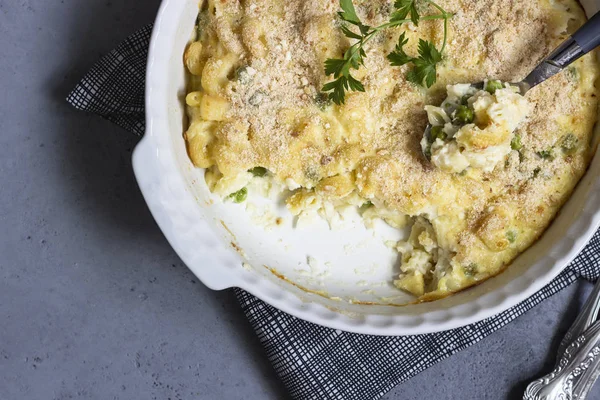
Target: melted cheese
256	69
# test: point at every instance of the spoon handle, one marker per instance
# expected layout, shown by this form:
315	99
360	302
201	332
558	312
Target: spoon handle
582	355
586	39
588	36
588	315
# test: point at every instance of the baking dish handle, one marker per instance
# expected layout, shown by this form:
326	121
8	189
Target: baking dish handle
162	192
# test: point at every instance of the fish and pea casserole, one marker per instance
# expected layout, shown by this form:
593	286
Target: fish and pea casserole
328	103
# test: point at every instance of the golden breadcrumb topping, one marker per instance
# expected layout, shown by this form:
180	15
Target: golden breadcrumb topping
256	70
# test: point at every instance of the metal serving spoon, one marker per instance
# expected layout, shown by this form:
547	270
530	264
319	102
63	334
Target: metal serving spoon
586	39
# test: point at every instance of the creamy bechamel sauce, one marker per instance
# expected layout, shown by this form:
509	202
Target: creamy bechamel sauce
256	69
475	128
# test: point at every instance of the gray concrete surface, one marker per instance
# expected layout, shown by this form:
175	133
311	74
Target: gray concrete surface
93	302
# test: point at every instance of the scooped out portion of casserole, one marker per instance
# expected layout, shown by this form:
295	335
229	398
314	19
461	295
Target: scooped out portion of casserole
474	128
501	164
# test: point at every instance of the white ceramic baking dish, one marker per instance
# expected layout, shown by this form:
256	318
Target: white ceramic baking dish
348	282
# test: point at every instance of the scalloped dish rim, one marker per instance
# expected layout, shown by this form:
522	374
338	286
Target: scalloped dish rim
174	208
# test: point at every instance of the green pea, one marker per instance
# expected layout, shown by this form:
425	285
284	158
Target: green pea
312	173
240	196
569	143
515	143
492	86
365	206
546	154
511	236
573	73
322	101
257	98
437	132
427	152
471	269
201	22
242	75
463	115
259	171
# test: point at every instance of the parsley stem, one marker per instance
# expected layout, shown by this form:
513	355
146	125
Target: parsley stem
358	45
437	6
424	68
445	35
446	16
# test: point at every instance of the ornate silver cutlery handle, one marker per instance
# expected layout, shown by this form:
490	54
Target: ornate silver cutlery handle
585	319
583	354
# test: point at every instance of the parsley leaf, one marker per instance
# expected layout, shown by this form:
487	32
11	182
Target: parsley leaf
348	12
353	57
337	89
425	70
403	9
336	67
349	15
355	85
398	57
428	52
339	86
340	69
349	34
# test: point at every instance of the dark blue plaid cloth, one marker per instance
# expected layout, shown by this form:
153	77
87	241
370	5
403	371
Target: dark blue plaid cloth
312	361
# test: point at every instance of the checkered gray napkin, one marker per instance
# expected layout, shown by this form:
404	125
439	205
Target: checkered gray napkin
314	362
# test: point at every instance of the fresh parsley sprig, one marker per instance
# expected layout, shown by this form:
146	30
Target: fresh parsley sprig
424	70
